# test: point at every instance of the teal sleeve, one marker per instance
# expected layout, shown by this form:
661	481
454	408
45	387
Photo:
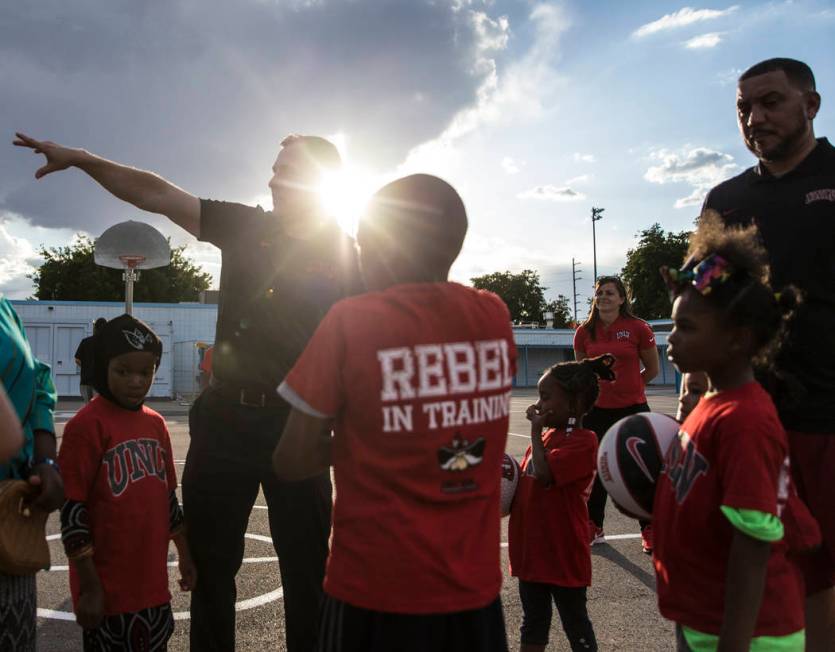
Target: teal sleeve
41	417
756	524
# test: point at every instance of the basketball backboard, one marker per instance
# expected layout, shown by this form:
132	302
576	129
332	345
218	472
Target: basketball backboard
131	246
134	245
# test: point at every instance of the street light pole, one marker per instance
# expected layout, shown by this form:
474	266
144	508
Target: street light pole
596	214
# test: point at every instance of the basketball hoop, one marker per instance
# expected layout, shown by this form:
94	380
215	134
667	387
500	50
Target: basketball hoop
131	246
132	261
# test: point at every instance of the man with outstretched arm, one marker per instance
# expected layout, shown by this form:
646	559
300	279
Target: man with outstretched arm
281	272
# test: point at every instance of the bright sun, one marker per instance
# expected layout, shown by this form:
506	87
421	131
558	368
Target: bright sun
345	195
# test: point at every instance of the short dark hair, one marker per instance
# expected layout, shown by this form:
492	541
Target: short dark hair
322	151
798	73
100	323
419	220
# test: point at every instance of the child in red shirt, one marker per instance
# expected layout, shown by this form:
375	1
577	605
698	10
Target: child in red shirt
720	559
121	509
415	379
548	533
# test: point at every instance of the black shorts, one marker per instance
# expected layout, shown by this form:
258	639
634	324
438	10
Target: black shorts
345	628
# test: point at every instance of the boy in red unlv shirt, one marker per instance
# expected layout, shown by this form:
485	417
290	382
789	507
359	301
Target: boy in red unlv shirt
720	555
415	380
121	509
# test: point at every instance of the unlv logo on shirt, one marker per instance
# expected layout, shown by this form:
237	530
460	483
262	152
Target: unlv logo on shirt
622	335
684	465
134	460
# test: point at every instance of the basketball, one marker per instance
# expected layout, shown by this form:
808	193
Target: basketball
510	478
630	458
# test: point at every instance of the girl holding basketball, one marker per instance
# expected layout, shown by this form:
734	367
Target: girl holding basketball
612	328
548	532
720	562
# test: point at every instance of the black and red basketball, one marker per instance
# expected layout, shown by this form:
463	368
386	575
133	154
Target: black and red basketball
630	458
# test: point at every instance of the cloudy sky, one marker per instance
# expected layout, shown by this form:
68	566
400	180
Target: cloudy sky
535	111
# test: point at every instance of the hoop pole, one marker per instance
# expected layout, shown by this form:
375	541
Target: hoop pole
130	277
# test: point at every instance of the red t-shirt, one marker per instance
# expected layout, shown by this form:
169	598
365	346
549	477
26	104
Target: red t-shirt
730	451
119	464
418	380
625	338
549	531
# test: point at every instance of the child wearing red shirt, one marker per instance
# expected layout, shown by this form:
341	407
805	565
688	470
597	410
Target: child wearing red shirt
415	378
121	509
720	558
548	532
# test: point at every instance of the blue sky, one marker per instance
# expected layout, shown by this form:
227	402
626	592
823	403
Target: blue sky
535	111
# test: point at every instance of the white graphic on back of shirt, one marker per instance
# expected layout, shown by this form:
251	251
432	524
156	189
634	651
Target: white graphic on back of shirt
824	194
442	371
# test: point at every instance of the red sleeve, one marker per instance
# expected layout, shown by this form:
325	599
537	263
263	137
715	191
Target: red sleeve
752	450
574	460
580	339
316	378
80	457
646	338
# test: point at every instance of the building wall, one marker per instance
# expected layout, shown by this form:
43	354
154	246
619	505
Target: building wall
55	328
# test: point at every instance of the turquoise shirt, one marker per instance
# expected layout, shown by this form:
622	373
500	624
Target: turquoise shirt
28	382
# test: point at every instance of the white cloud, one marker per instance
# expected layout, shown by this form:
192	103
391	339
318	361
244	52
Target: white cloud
510	165
17	256
583	178
681	18
524	90
704	41
551	193
700	167
585	158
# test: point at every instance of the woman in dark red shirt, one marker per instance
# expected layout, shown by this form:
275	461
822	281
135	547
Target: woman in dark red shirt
612	328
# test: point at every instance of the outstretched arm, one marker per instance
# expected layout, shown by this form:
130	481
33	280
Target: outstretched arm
143	189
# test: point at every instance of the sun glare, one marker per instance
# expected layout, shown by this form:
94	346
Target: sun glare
345	195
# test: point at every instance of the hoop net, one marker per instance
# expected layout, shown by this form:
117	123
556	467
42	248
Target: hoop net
131	261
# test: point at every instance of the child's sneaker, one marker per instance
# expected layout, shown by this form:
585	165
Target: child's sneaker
646	540
596	535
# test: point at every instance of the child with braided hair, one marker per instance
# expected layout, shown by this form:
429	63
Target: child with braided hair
548	532
723	576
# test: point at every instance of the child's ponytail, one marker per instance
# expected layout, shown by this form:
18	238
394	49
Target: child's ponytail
579	379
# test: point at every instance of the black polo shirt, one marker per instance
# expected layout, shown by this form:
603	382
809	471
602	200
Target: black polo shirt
795	214
274	290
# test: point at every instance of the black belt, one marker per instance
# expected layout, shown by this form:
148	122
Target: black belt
247	395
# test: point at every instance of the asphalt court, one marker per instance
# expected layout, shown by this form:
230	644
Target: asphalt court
621	600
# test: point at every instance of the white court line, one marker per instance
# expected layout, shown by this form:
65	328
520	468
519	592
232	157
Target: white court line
243	605
513	434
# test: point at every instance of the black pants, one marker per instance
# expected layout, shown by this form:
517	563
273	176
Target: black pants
346	628
228	460
571	606
600	420
681	642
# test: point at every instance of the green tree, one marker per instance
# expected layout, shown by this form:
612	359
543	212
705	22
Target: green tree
562	312
650	298
523	293
70	274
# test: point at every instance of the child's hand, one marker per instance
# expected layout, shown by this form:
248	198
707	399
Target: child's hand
90	610
188	573
533	415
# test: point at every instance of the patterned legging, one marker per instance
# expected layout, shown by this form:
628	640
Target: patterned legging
141	631
18	606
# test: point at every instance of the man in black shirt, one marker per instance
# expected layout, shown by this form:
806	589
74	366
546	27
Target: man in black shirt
84	359
281	272
790	195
